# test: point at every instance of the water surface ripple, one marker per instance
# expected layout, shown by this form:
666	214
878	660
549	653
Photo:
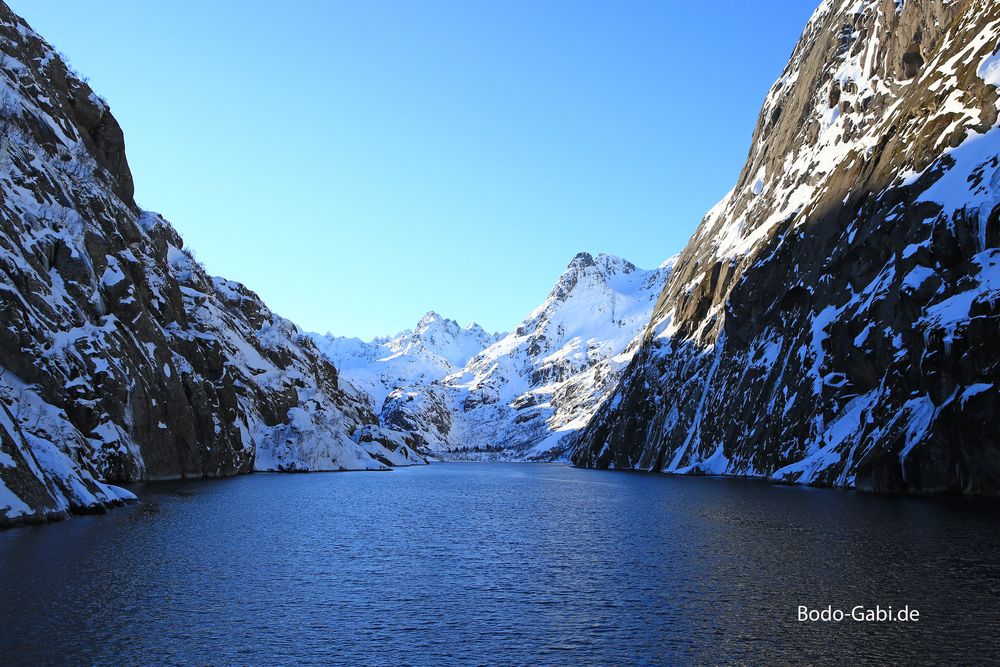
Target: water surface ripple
482	563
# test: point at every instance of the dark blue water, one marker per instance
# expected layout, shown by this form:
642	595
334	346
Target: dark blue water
499	564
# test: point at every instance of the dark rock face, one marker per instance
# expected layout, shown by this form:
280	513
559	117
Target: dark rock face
834	320
120	357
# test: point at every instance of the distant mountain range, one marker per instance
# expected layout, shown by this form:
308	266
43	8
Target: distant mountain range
435	348
462	393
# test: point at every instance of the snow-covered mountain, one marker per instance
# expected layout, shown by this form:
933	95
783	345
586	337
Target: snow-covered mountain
462	393
835	318
522	396
120	357
437	347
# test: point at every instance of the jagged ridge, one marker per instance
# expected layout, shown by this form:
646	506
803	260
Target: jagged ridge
518	395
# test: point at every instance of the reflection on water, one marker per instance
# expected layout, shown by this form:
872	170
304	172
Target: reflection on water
499	563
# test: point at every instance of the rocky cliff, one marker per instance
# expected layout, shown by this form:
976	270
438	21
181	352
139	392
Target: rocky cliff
834	320
120	357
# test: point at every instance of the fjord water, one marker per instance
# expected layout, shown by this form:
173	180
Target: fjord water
500	564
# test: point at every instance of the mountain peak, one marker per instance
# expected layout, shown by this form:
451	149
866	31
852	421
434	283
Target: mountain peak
606	264
581	260
613	264
428	319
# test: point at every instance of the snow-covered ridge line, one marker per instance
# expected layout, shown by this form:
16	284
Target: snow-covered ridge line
461	393
435	348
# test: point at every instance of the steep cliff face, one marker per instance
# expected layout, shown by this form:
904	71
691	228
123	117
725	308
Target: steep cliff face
120	357
834	320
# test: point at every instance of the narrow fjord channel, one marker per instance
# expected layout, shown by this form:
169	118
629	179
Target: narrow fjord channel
504	563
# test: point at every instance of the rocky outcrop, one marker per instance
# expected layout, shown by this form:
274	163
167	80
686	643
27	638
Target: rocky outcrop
834	319
120	357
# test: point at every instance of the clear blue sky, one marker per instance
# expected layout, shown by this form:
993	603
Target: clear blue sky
359	163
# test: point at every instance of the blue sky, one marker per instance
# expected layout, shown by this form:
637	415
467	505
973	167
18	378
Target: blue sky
360	163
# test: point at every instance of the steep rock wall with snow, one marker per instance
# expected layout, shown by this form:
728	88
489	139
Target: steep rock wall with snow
834	320
120	357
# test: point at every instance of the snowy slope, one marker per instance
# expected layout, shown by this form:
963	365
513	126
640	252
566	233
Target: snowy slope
542	382
435	348
523	393
120	357
834	319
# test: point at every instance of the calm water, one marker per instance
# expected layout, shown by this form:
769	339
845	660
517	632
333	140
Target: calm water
500	564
